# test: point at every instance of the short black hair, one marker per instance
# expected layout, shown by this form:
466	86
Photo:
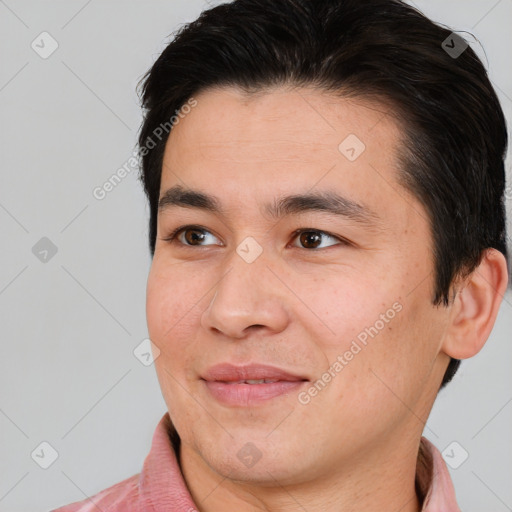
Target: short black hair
455	136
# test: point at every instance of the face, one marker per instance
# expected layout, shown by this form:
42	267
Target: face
292	308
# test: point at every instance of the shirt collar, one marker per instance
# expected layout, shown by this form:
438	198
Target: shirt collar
161	484
162	487
433	481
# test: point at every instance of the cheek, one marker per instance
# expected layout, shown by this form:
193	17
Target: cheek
173	309
354	310
173	313
397	361
376	331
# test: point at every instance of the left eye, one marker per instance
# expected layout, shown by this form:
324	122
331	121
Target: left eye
312	239
194	236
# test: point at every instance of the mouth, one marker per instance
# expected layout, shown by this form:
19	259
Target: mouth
250	385
250	381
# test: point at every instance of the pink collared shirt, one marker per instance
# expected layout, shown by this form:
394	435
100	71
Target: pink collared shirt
160	486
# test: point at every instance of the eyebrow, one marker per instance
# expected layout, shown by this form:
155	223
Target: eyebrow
323	201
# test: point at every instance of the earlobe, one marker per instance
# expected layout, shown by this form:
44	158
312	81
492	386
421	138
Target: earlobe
476	307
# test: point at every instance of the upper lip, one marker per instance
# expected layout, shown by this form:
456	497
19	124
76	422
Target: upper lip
227	372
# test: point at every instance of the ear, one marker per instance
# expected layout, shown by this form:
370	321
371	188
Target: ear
476	307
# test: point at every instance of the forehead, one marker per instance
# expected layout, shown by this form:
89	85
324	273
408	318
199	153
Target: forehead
300	124
251	148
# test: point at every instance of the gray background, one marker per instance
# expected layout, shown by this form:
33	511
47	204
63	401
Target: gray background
68	375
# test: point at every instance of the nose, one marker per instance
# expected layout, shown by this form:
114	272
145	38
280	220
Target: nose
248	297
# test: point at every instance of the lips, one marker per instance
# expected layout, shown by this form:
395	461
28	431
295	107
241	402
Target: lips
251	385
255	372
252	381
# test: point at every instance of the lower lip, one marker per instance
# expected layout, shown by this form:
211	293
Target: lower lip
250	394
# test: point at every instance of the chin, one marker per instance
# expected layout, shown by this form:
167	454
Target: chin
248	458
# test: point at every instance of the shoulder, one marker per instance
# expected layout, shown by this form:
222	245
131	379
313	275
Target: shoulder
122	493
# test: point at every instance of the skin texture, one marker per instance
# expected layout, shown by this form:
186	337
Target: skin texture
353	445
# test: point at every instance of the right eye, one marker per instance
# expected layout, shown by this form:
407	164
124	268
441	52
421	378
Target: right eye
189	236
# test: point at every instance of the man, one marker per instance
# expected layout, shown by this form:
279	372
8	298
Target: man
326	189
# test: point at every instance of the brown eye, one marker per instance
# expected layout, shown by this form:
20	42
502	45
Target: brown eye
190	236
193	236
312	239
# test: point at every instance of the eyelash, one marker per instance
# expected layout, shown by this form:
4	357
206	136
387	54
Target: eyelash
172	238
